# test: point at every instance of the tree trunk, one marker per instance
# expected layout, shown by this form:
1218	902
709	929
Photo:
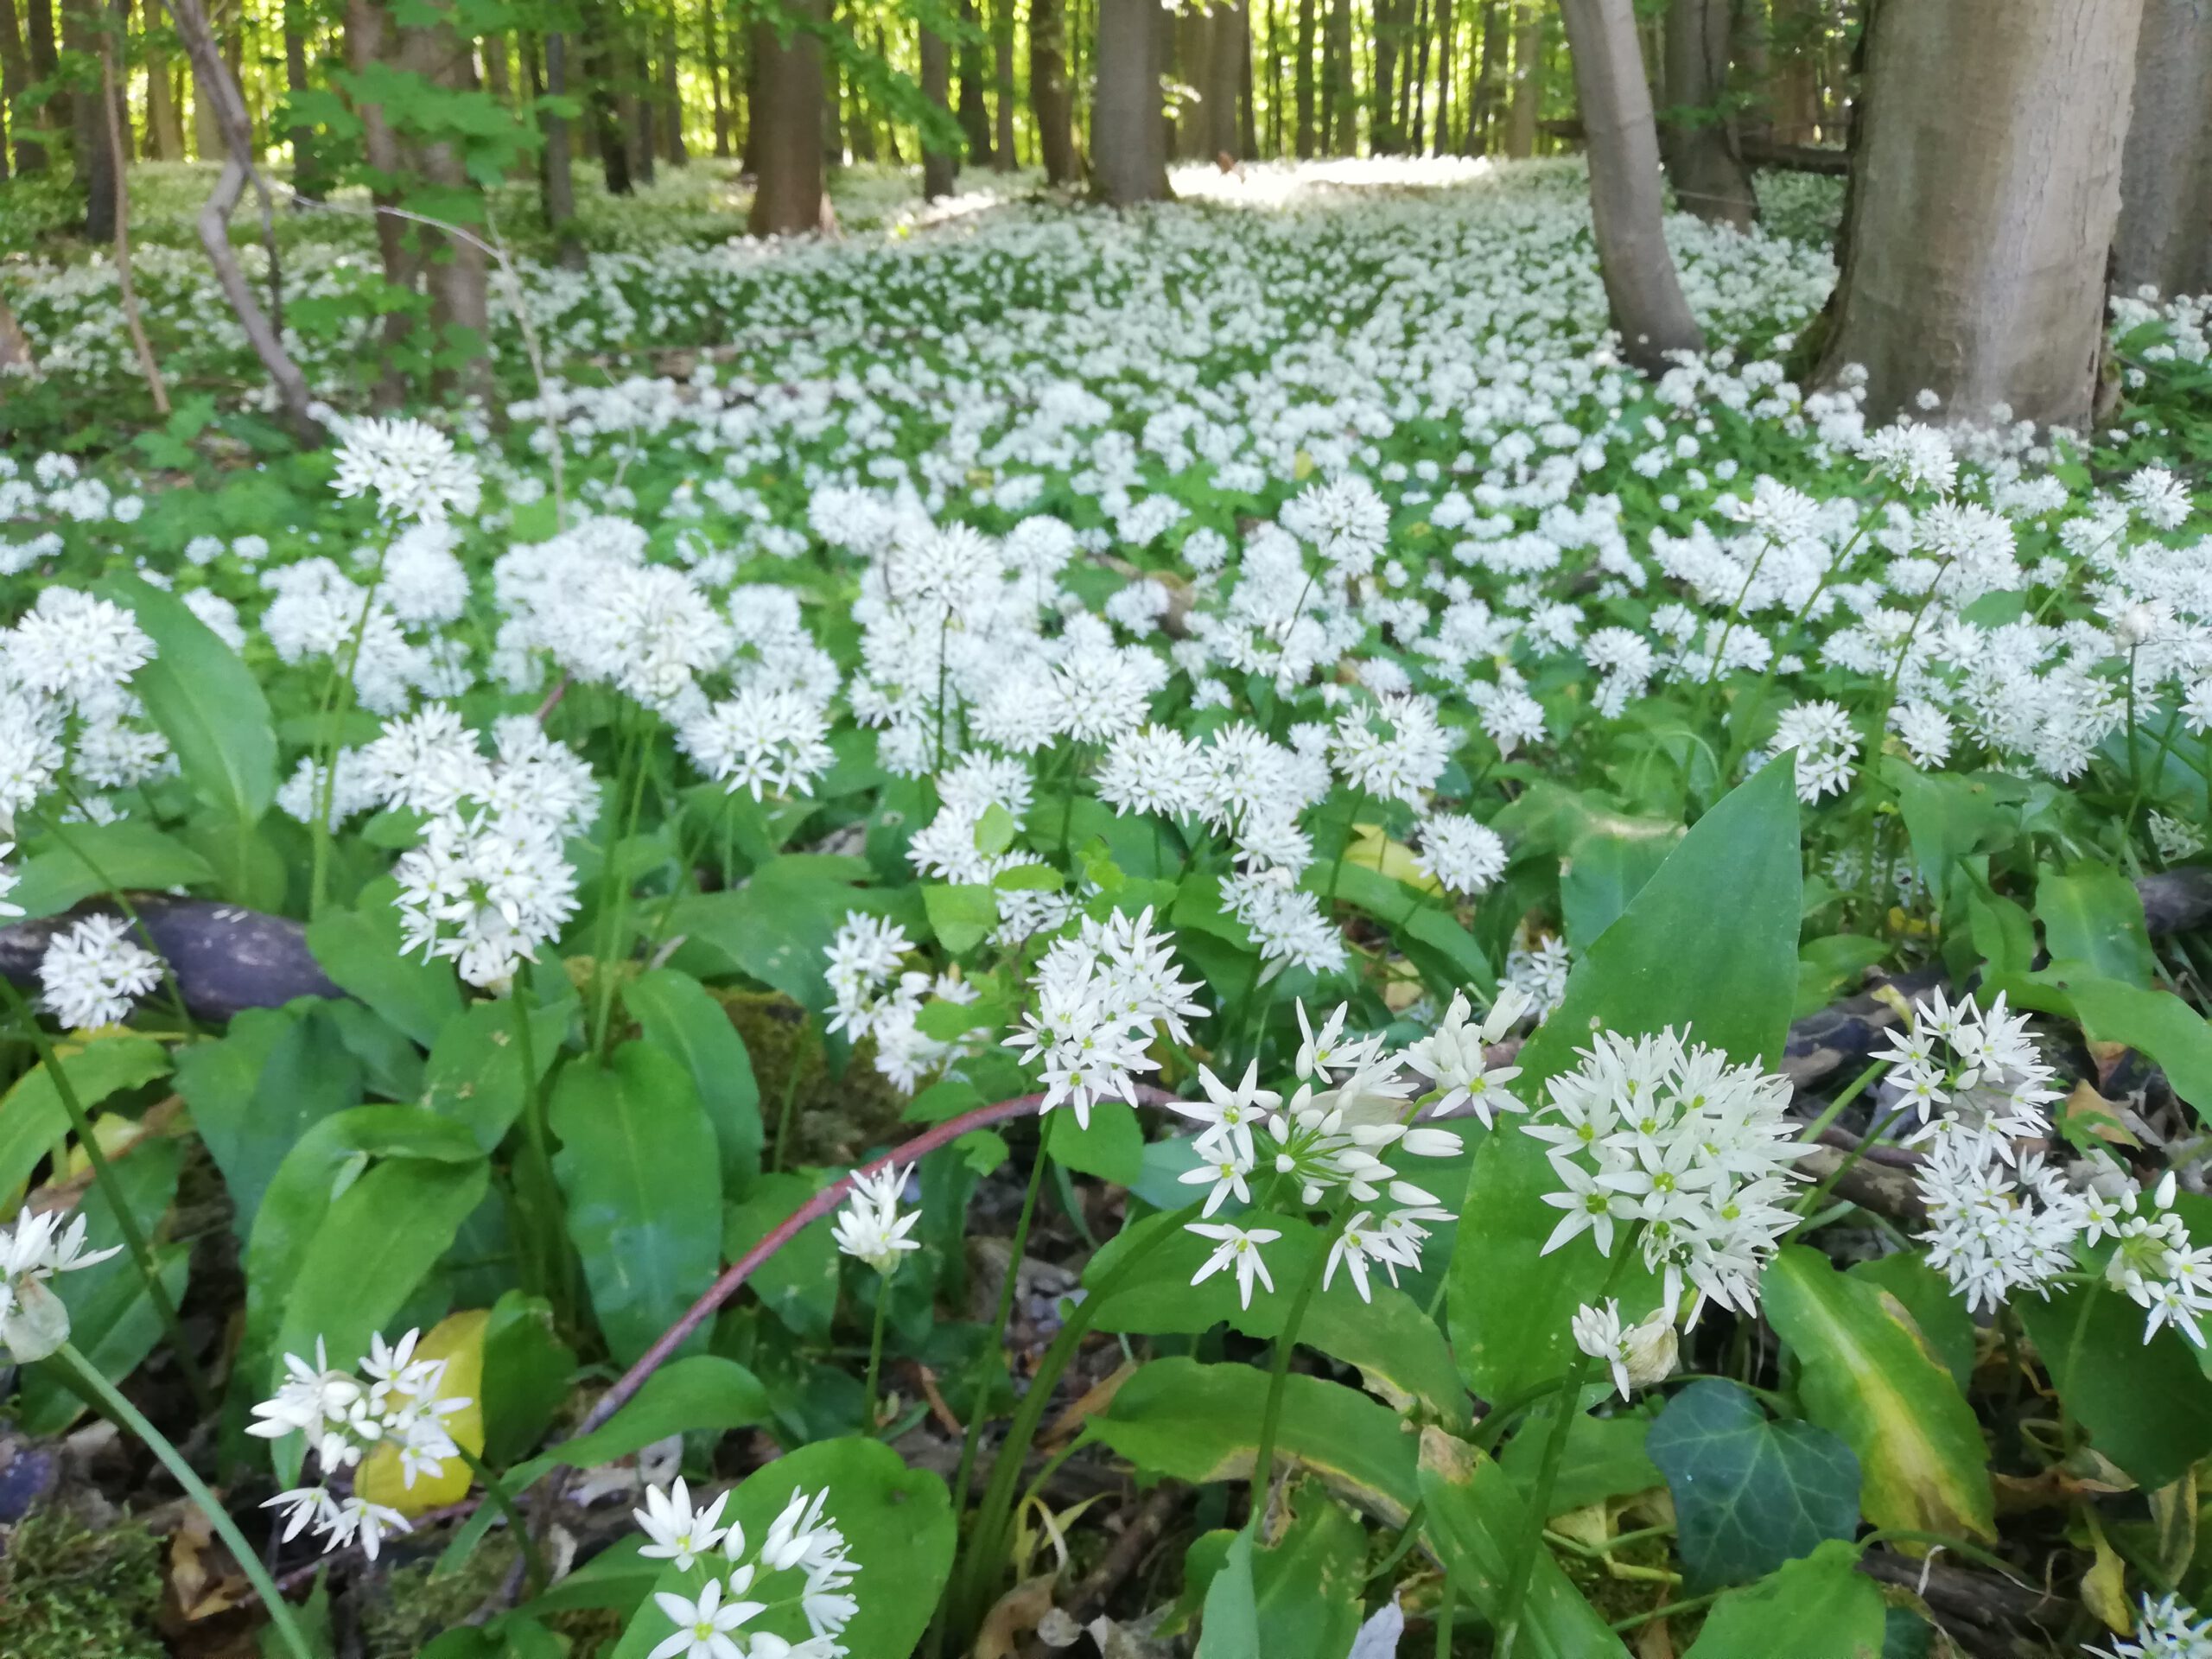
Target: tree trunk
1381	110
46	64
1447	21
1051	103
1528	85
165	131
559	177
1304	79
940	165
673	149
1341	135
2165	178
1698	141
1752	73
308	177
1129	161
1985	191
1642	289
15	77
1228	60
1003	78
1193	32
456	269
974	116
1794	54
1490	72
787	118
607	120
710	28
88	125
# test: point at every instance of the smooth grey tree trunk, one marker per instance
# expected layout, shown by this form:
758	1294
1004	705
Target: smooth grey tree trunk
1528	85
560	175
1984	192
940	165
1623	140
1129	161
1050	98
787	116
1699	139
2165	175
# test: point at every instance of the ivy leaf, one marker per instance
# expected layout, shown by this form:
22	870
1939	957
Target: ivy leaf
1749	1494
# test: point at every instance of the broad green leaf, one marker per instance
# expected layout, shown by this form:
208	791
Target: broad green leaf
359	950
1949	817
1601	876
2092	914
113	1322
61	870
961	915
680	1019
1940	1314
640	1168
2157	1024
777	927
526	1372
475	1071
1476	1522
798	1284
1749	1494
2147	1405
1308	1587
1200	1423
1709	944
381	1236
1865	1374
305	1075
1229	1627
1821	1607
1111	1147
207	702
1603	1458
32	1116
1401	1355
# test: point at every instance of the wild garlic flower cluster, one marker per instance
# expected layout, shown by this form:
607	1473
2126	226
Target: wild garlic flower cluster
801	1573
33	1321
490	882
1102	996
2167	1628
410	467
93	972
1827	746
1354	1101
1693	1151
875	994
871	1228
1964	1069
396	1400
1638	1355
764	739
68	718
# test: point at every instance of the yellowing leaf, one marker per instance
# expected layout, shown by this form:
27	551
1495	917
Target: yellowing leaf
1374	849
2104	1586
1867	1375
458	1339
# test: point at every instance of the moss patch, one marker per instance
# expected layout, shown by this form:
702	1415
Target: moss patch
68	1591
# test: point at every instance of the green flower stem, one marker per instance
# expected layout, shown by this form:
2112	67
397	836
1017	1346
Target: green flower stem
533	1563
1851	1161
1263	1460
83	856
126	1415
615	897
337	704
971	1442
551	1244
1447	1607
1351	822
1524	1557
970	1584
134	1236
875	1351
1687	1606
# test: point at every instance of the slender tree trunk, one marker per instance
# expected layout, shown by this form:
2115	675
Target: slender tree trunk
1304	78
640	119
1642	289
15	77
1271	27
1490	72
1984	192
1382	115
1129	161
711	30
16	355
165	131
308	176
1698	140
1793	53
1447	22
671	101
45	64
1342	83
940	164
1529	84
2164	239
88	125
1228	60
457	275
1051	100
1248	113
1002	75
601	66
560	187
1193	32
974	116
365	48
113	107
787	118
